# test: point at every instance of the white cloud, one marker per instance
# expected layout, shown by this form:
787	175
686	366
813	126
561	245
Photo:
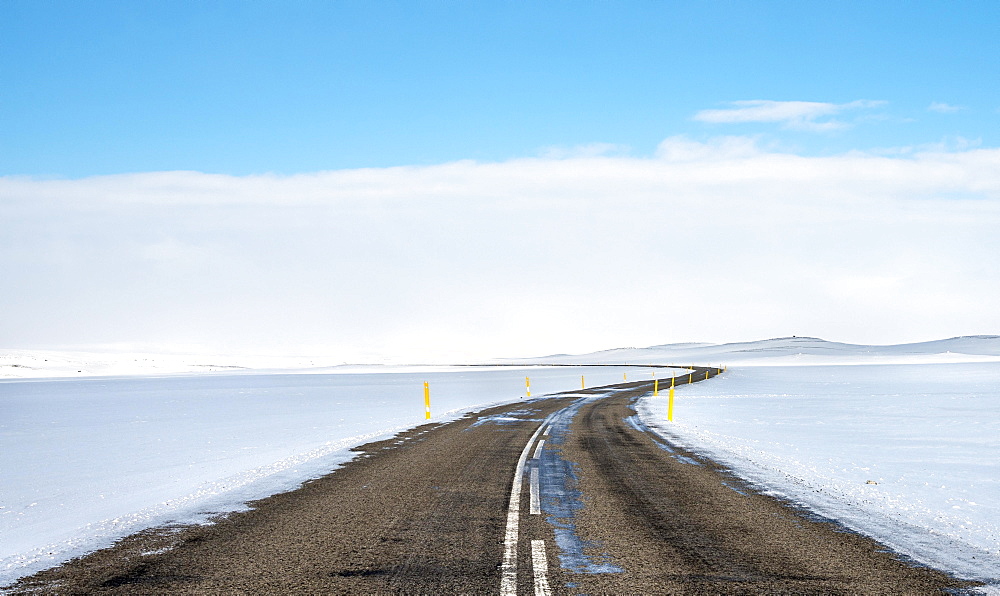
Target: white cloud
586	150
796	115
677	149
948	144
706	241
944	108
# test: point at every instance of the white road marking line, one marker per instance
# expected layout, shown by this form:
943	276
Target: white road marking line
538	449
534	508
547	430
540	565
508	579
508	569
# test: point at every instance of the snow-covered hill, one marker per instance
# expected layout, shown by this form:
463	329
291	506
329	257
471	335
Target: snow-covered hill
792	350
33	364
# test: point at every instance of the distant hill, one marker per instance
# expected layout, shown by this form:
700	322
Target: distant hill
789	350
23	364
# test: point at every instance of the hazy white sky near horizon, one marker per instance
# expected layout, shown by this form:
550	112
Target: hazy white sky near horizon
463	181
716	241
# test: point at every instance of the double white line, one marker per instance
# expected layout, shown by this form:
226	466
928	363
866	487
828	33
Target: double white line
508	569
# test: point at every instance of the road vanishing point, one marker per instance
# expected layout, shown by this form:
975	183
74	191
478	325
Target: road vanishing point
568	493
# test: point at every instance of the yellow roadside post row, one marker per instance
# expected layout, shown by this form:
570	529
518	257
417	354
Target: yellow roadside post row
670	402
583	385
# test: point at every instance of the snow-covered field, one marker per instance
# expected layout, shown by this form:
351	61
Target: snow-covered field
85	461
906	453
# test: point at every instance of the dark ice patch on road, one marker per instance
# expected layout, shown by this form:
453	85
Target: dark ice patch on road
561	499
507	418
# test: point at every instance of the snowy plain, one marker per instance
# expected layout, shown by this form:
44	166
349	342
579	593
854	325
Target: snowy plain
905	453
85	461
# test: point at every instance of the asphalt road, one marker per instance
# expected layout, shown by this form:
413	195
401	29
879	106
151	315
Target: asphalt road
568	494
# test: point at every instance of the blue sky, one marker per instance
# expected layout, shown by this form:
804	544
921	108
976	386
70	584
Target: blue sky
450	181
288	87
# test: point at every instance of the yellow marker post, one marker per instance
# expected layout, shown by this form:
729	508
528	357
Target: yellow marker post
527	385
625	376
656	388
690	378
706	375
427	401
583	384
670	405
672	379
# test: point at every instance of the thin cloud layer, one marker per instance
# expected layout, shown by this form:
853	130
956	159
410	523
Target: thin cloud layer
794	115
944	108
706	241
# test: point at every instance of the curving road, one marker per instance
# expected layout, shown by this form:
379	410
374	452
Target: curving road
565	494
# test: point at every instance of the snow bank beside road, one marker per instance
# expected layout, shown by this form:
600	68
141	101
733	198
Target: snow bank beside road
904	453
